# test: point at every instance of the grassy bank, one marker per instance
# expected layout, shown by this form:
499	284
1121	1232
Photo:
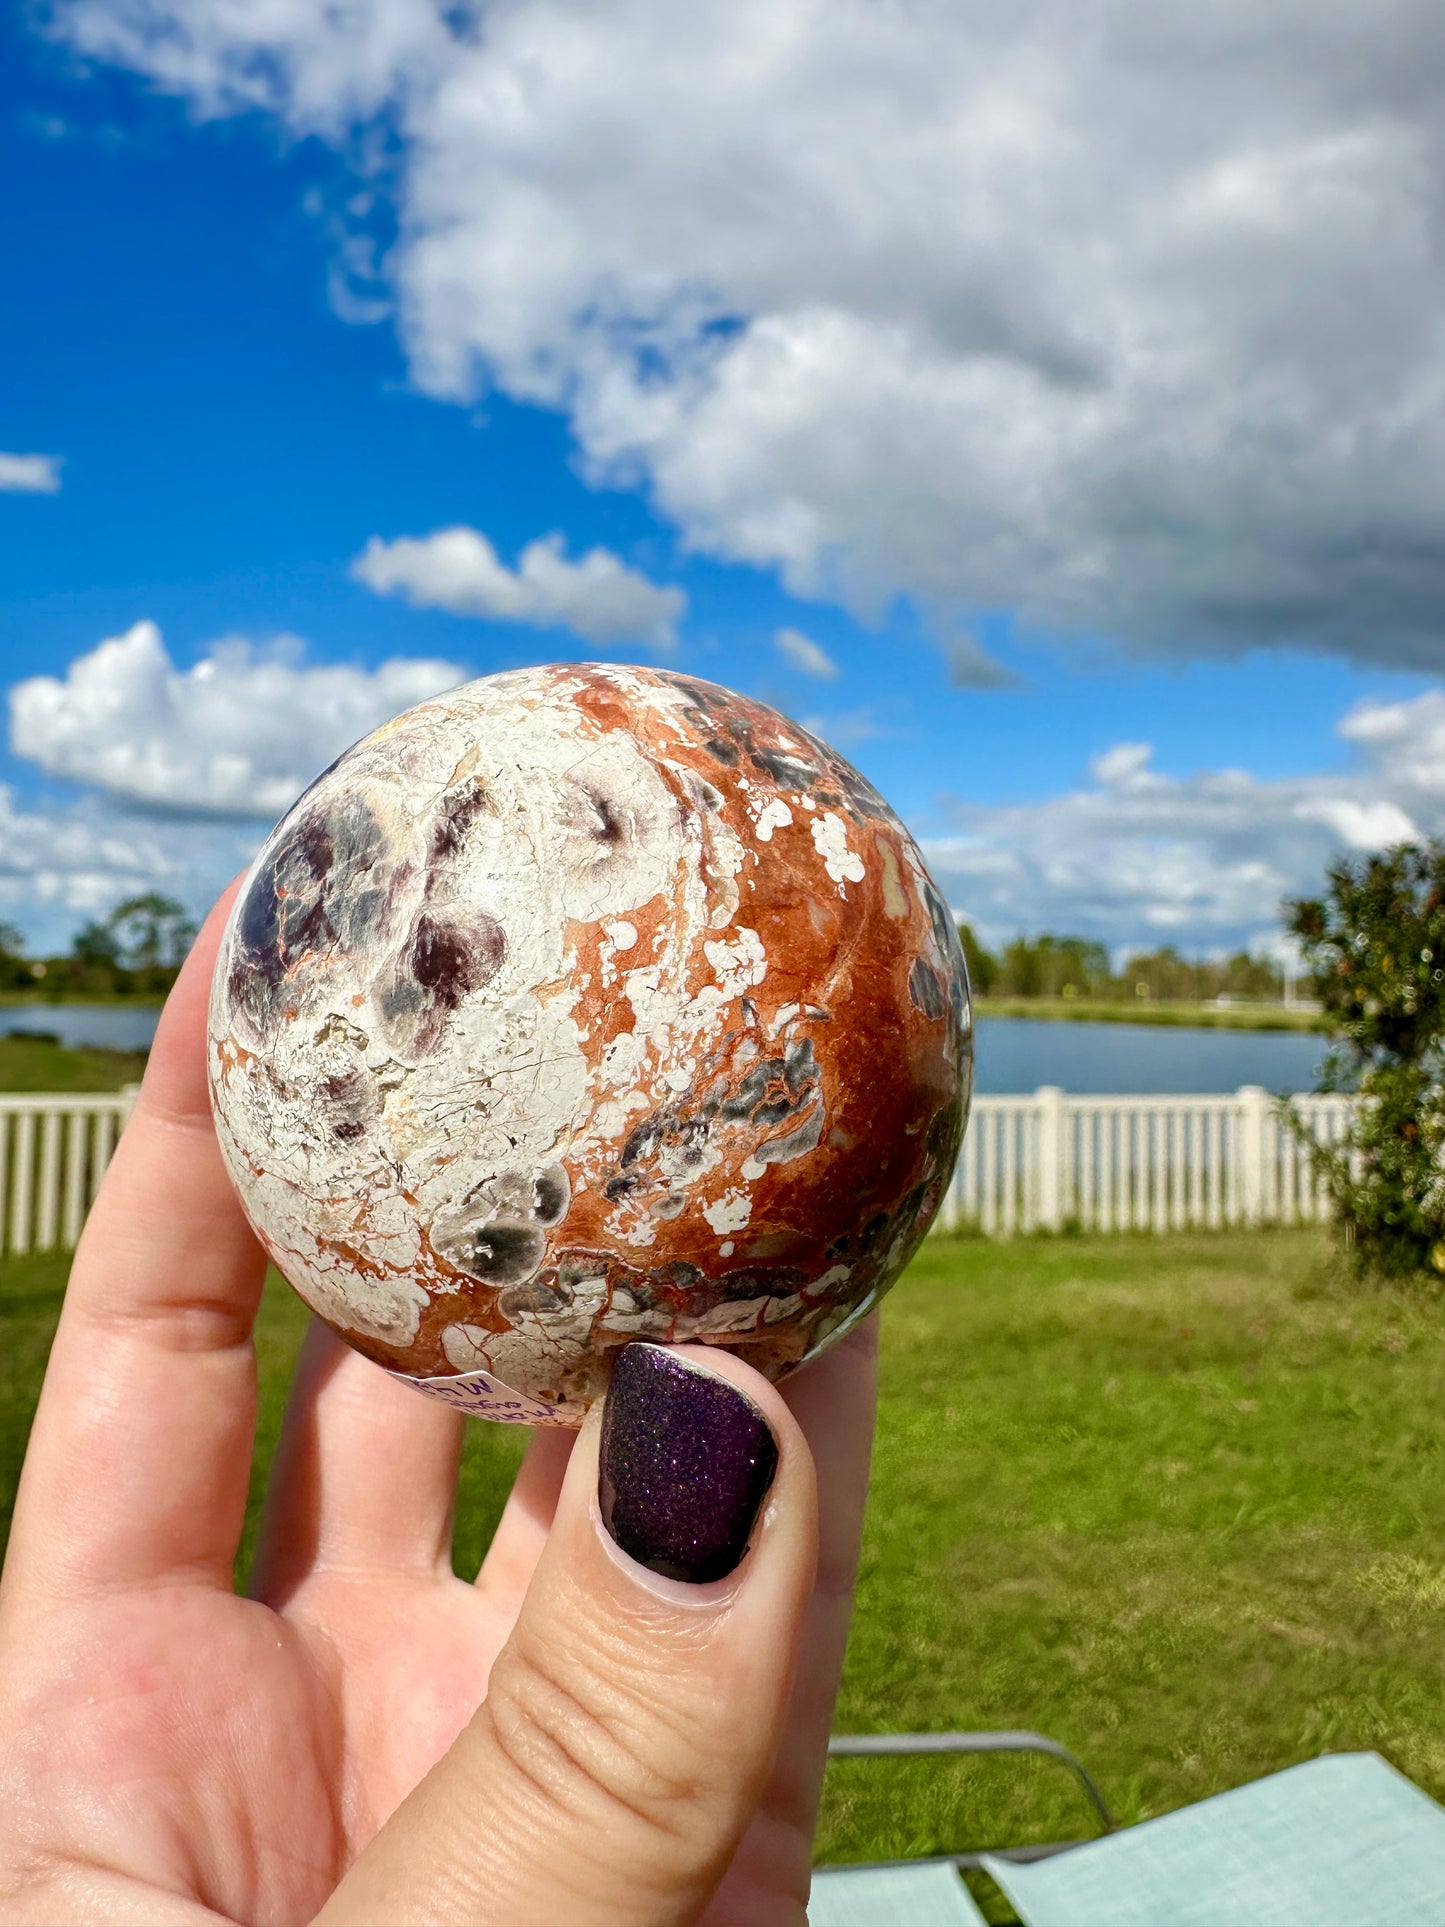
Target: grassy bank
41	999
1149	1010
1179	1502
30	1063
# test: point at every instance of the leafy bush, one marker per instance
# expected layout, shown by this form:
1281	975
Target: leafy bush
1375	942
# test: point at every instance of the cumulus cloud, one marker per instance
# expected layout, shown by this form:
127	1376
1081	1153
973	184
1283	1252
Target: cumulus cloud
1138	858
1126	317
1123	766
82	859
239	734
29	474
597	598
60	865
802	653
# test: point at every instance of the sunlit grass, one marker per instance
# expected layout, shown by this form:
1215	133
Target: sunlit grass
31	1063
1151	1010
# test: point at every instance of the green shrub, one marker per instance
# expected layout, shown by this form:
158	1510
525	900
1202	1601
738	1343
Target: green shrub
1376	944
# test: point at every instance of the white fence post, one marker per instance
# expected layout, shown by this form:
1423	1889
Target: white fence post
1049	1100
54	1146
22	1197
1253	1101
1143	1162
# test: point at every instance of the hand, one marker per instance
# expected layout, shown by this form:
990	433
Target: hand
573	1741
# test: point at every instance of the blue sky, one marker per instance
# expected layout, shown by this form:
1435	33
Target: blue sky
246	377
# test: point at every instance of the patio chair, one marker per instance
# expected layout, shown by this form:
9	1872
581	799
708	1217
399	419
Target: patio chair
928	1893
1341	1841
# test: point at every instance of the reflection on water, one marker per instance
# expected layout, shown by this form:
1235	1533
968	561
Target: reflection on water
1020	1053
1014	1053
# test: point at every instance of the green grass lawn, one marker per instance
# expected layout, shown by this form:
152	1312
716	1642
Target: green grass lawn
1178	1502
40	1064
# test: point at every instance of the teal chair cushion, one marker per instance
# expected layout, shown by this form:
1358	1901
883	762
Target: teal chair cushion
1343	1841
928	1895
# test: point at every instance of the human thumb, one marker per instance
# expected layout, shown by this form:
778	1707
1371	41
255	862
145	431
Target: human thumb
632	1718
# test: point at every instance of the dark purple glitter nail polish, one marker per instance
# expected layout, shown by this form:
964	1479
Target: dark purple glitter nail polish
685	1466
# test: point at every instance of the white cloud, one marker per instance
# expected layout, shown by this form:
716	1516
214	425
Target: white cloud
1124	317
1137	857
239	734
82	859
58	866
1123	766
29	474
1359	823
1408	738
806	655
597	598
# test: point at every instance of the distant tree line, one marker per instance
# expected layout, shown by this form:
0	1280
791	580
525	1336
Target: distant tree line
134	952
137	949
1050	966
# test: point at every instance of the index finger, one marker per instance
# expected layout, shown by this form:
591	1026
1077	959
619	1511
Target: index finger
140	1456
833	1401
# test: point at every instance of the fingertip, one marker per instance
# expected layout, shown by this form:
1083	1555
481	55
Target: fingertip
175	1076
770	1399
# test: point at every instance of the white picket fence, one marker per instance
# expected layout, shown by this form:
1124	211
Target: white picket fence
1039	1163
53	1154
1052	1160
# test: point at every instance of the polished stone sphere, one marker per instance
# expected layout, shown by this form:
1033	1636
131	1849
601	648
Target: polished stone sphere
584	1004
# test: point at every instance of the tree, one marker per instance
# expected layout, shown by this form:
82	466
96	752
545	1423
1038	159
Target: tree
1375	942
1049	966
982	964
1253	977
151	932
14	971
95	943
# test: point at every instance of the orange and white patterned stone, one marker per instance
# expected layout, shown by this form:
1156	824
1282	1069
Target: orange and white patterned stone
584	1004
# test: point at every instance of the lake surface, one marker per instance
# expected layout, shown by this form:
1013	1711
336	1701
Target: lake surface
1020	1053
114	1026
1014	1053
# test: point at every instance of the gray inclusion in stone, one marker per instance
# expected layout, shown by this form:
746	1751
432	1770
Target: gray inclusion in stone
499	1234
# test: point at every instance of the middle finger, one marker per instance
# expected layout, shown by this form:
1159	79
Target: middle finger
364	1478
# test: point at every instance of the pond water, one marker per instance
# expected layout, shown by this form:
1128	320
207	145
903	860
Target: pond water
1014	1053
1020	1053
114	1026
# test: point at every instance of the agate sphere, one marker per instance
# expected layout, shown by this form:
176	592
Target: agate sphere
584	1004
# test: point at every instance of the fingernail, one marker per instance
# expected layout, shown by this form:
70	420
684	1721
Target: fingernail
686	1463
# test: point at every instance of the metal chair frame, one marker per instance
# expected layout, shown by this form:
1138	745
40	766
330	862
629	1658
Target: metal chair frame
851	1746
